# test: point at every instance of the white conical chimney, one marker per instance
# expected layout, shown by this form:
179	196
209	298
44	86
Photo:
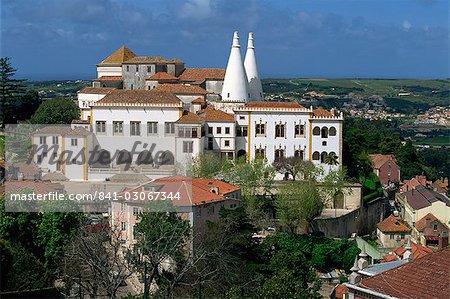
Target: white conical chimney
251	68
235	85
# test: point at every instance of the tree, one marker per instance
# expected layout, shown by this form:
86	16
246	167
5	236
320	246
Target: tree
332	160
289	165
298	203
208	166
56	111
11	93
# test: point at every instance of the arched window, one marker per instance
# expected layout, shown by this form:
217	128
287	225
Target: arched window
299	154
316	156
332	131
316	131
323	157
324	132
145	157
124	157
279	155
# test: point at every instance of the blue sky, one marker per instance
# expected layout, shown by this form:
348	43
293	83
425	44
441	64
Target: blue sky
64	39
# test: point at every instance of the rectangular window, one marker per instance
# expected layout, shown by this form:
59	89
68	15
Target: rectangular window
219	130
279	155
279	131
241	131
137	68
149	69
74	142
227	130
118	127
210	130
100	126
135	211
435	227
299	130
42	140
135	128
123	226
128	68
152	128
211	210
260	153
55	139
210	143
260	129
391	237
188	147
169	128
227	143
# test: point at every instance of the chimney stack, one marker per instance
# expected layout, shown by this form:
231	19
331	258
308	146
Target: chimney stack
251	68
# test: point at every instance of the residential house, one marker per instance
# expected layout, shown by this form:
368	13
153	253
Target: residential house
398	253
392	231
418	180
386	168
429	231
441	185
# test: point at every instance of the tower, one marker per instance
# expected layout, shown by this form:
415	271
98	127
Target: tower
251	68
235	85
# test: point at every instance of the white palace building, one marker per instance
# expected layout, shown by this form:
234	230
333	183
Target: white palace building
151	116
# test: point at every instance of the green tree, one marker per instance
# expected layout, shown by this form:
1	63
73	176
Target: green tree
11	93
208	166
298	203
56	111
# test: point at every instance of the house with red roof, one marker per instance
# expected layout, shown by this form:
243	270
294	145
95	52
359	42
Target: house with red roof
392	231
430	231
418	180
386	168
195	200
397	253
422	278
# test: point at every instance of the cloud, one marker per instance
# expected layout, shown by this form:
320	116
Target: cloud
406	25
197	9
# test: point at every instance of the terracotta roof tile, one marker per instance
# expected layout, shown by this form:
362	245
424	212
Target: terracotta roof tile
421	197
425	278
181	89
39	187
138	97
393	224
286	105
96	90
162	76
199	100
210	114
322	112
26	168
119	56
422	223
199	75
417	250
152	59
110	78
190	118
379	160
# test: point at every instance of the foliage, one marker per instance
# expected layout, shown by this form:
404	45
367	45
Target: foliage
56	111
209	166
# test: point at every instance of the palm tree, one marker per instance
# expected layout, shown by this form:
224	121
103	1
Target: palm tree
331	159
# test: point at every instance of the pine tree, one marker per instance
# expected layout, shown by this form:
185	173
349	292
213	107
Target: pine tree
11	93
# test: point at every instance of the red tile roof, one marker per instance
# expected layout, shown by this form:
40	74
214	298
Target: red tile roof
210	114
285	105
393	224
379	160
418	251
138	97
97	90
424	278
199	100
118	57
162	76
190	118
152	60
199	75
110	78
38	187
421	197
322	112
181	89
422	223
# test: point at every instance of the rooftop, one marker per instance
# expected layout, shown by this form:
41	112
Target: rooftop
422	223
417	250
190	118
162	76
139	98
393	224
421	197
379	160
425	278
322	112
285	105
96	90
110	78
181	89
118	57
199	75
210	114
152	60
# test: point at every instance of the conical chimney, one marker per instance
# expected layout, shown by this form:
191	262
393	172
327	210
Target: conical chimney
251	68
235	85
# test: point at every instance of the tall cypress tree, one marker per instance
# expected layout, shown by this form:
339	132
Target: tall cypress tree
11	93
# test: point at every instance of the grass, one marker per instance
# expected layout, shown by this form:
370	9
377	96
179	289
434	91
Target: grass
436	141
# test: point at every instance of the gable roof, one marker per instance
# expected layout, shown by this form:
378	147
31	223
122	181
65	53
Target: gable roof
421	197
425	278
422	223
110	78
379	160
418	251
190	118
198	100
162	76
96	90
210	114
393	224
181	89
152	60
139	98
199	75
322	112
118	57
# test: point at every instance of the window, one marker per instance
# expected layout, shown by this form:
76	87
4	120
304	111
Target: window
279	155
227	143
316	131
279	131
211	210
435	227
260	153
152	128
149	69
332	131
210	130
122	206
169	128
135	211
55	139
137	68
188	147
227	130
316	156
241	131
391	237
260	129
118	127
323	157
198	213
74	142
299	154
324	132
210	143
299	130
187	132
131	86
324	143
135	128
219	130
241	117
128	68
100	126
402	237
43	140
123	226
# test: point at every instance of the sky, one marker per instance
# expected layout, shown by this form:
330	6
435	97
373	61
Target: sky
65	39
